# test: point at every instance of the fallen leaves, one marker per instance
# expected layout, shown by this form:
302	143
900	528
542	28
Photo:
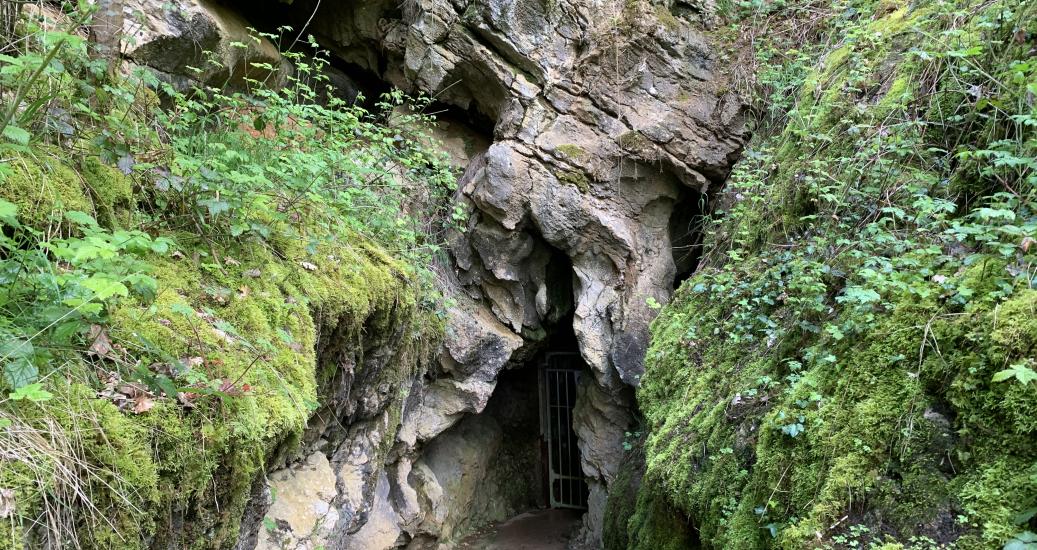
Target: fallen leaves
143	405
127	396
139	398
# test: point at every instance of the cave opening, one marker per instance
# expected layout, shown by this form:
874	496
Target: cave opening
534	401
686	223
537	464
560	369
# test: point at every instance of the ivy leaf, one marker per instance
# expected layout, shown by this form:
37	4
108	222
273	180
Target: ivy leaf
1025	516
167	386
104	287
16	348
81	219
215	207
859	295
160	245
18	370
183	309
64	332
31	392
1026	540
1019	371
792	430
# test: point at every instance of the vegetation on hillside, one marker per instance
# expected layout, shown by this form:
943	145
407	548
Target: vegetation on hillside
168	261
855	363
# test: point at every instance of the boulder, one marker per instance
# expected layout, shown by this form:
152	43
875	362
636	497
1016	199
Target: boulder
302	514
198	41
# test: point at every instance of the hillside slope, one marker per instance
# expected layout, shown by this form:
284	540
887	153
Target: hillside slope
855	362
189	294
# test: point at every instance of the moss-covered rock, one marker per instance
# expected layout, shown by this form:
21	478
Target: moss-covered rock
40	186
246	319
110	189
828	378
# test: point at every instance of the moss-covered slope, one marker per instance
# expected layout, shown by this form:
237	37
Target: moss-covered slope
183	290
112	463
852	365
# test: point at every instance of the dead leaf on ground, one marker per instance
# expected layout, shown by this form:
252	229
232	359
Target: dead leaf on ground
7	506
133	390
143	404
227	387
186	399
231	262
163	368
254	273
100	345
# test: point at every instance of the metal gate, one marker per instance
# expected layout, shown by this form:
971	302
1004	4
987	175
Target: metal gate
566	486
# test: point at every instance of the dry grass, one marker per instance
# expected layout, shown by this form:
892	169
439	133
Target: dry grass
37	450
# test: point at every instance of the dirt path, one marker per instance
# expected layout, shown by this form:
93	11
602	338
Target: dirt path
540	530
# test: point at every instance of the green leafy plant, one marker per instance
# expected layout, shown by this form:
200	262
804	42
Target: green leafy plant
1021	372
55	288
251	164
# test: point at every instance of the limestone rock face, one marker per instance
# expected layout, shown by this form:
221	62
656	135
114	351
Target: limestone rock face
607	115
302	514
170	37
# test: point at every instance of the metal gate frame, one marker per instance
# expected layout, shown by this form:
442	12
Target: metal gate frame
557	398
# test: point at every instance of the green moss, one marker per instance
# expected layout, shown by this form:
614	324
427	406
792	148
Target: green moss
666	18
256	321
870	423
622	500
576	179
93	451
41	186
773	404
110	189
572	151
655	525
633	141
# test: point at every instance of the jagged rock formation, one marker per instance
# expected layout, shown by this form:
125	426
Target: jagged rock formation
610	123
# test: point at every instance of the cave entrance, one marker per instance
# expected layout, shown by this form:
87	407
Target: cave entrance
560	375
686	234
